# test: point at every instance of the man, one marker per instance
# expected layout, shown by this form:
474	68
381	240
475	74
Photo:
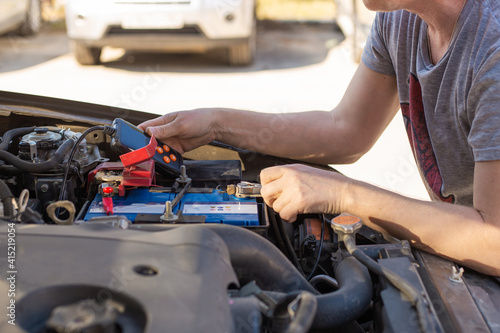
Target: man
437	60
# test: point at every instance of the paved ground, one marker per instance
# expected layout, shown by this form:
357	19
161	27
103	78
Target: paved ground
298	67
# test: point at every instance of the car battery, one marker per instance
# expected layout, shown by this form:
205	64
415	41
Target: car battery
198	205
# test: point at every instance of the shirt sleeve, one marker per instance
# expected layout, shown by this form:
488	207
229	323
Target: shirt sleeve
484	104
376	55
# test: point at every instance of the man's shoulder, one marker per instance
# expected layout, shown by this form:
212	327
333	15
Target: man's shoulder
493	5
489	9
483	29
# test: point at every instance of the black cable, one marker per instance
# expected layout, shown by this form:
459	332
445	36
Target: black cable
27	166
6	198
288	244
321	268
11	134
106	129
320	247
274	225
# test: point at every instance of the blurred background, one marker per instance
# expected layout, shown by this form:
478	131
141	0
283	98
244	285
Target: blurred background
285	56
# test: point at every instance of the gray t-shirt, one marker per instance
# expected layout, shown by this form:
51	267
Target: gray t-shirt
451	110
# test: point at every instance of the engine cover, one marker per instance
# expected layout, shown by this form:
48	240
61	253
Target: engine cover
168	280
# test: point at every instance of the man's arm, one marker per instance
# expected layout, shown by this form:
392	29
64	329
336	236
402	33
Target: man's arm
338	136
464	234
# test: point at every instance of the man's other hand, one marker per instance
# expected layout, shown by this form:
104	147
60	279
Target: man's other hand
298	189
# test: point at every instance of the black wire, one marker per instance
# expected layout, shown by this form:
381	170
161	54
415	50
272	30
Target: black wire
321	268
320	247
288	244
106	129
274	224
6	198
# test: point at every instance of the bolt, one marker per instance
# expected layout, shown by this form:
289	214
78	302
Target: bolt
183	178
183	171
44	188
168	208
168	216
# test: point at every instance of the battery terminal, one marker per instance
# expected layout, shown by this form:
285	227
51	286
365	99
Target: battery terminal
248	190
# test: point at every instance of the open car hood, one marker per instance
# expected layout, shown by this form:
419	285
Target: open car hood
226	263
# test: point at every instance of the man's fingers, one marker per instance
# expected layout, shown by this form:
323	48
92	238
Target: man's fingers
271	174
152	122
162	127
280	203
162	132
271	191
289	213
284	206
165	119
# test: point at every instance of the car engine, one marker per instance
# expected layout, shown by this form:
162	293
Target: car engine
107	239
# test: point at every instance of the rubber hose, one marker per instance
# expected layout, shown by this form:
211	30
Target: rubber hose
11	134
345	305
6	198
50	164
350	301
254	258
324	279
9	169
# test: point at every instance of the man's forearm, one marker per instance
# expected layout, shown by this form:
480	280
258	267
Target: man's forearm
314	136
453	231
334	137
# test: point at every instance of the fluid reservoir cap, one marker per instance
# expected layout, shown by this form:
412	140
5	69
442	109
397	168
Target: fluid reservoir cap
42	134
41	130
347	224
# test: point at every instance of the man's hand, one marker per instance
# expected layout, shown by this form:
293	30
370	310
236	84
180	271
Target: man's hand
185	130
298	189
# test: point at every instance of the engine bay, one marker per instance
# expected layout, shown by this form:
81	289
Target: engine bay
113	238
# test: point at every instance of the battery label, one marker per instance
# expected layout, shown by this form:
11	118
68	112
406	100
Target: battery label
137	208
202	208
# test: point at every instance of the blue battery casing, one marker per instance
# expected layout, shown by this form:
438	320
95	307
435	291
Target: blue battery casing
216	207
